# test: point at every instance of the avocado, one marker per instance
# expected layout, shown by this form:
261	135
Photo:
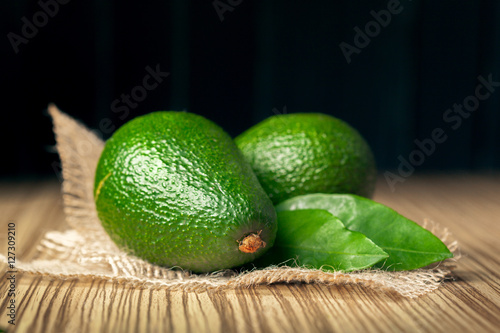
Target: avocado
305	153
172	188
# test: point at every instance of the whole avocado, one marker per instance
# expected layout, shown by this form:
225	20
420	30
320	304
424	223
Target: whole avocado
172	188
304	153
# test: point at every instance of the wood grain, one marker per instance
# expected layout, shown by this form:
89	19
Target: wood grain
468	205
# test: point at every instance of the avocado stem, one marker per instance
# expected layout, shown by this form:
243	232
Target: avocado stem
251	243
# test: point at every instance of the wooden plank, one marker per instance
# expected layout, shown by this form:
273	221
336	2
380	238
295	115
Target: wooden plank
467	205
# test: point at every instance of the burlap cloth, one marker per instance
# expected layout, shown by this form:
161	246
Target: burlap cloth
85	251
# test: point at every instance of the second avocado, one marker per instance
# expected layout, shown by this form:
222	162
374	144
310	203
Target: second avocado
304	153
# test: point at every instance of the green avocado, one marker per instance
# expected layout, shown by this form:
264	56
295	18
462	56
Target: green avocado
172	188
305	153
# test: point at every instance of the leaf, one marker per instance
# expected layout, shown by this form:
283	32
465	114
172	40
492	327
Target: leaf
318	239
409	245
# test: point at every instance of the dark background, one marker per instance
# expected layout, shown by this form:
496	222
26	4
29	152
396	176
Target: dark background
262	58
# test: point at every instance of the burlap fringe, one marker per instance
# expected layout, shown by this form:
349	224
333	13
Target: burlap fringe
85	252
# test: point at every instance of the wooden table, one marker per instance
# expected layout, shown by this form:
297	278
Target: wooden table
468	205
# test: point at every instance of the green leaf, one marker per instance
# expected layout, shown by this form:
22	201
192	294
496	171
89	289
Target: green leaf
316	238
409	245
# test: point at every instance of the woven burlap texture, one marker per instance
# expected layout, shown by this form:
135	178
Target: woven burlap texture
85	251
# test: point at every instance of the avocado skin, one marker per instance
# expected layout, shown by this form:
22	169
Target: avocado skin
305	153
172	188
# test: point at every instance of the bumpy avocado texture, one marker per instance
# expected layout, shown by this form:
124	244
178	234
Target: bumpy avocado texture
173	188
304	153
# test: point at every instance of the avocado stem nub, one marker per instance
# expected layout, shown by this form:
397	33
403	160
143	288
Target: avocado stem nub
251	243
